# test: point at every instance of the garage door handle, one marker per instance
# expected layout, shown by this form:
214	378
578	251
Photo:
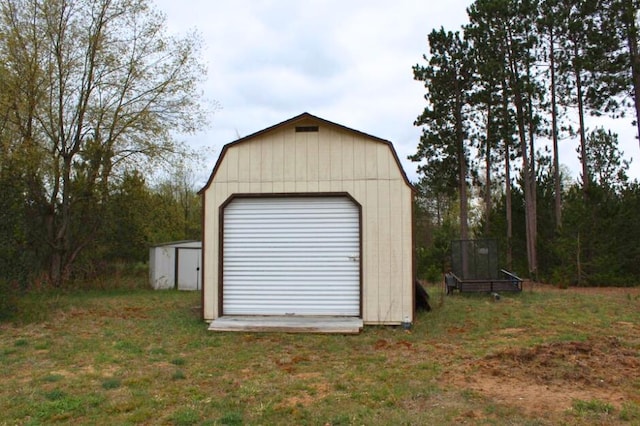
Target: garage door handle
354	258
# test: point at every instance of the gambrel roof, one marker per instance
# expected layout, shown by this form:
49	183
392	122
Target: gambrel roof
305	116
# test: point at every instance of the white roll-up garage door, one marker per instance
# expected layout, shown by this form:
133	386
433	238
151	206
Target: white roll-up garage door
291	256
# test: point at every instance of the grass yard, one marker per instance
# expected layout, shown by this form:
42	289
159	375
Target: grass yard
542	357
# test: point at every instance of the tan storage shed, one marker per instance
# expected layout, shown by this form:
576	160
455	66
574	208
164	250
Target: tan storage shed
308	219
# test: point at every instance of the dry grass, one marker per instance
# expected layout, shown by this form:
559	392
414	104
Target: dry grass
540	357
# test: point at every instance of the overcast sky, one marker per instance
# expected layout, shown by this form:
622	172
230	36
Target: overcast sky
347	61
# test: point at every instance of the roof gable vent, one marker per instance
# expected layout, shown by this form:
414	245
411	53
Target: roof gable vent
306	129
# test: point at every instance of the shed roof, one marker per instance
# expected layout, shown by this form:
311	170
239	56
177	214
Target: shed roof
175	243
305	116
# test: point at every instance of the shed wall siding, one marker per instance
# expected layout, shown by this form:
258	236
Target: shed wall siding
330	160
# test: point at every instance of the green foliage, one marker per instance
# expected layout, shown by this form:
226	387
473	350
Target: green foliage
21	342
185	417
8	300
434	260
498	224
231	419
20	228
608	167
52	378
112	383
630	411
598	242
590	235
434	229
593	406
178	375
54	395
72	131
134	215
443	151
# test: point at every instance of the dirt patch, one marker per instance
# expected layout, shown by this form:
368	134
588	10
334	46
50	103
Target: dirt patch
315	389
383	344
288	363
549	377
545	380
603	362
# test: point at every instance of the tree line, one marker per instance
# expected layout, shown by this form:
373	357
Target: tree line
521	76
91	95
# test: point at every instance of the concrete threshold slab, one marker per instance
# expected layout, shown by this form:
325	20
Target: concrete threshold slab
288	324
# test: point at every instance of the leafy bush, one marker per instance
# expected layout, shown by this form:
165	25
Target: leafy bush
8	301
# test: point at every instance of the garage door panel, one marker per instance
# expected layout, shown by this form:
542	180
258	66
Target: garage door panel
304	268
284	256
299	297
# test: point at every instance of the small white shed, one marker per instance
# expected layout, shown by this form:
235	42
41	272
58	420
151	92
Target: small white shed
308	218
175	265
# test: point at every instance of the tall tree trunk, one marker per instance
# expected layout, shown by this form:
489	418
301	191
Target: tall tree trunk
462	167
586	178
507	194
462	178
634	56
526	175
528	199
464	216
533	204
488	165
554	133
507	172
60	240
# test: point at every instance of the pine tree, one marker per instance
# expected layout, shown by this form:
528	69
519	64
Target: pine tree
509	26
445	120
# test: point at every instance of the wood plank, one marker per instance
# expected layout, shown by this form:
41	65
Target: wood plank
255	160
289	157
301	157
229	167
387	292
324	155
336	156
266	160
347	157
371	160
313	152
359	158
278	157
243	160
288	324
370	256
383	157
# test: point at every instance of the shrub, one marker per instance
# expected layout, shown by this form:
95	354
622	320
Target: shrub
8	301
